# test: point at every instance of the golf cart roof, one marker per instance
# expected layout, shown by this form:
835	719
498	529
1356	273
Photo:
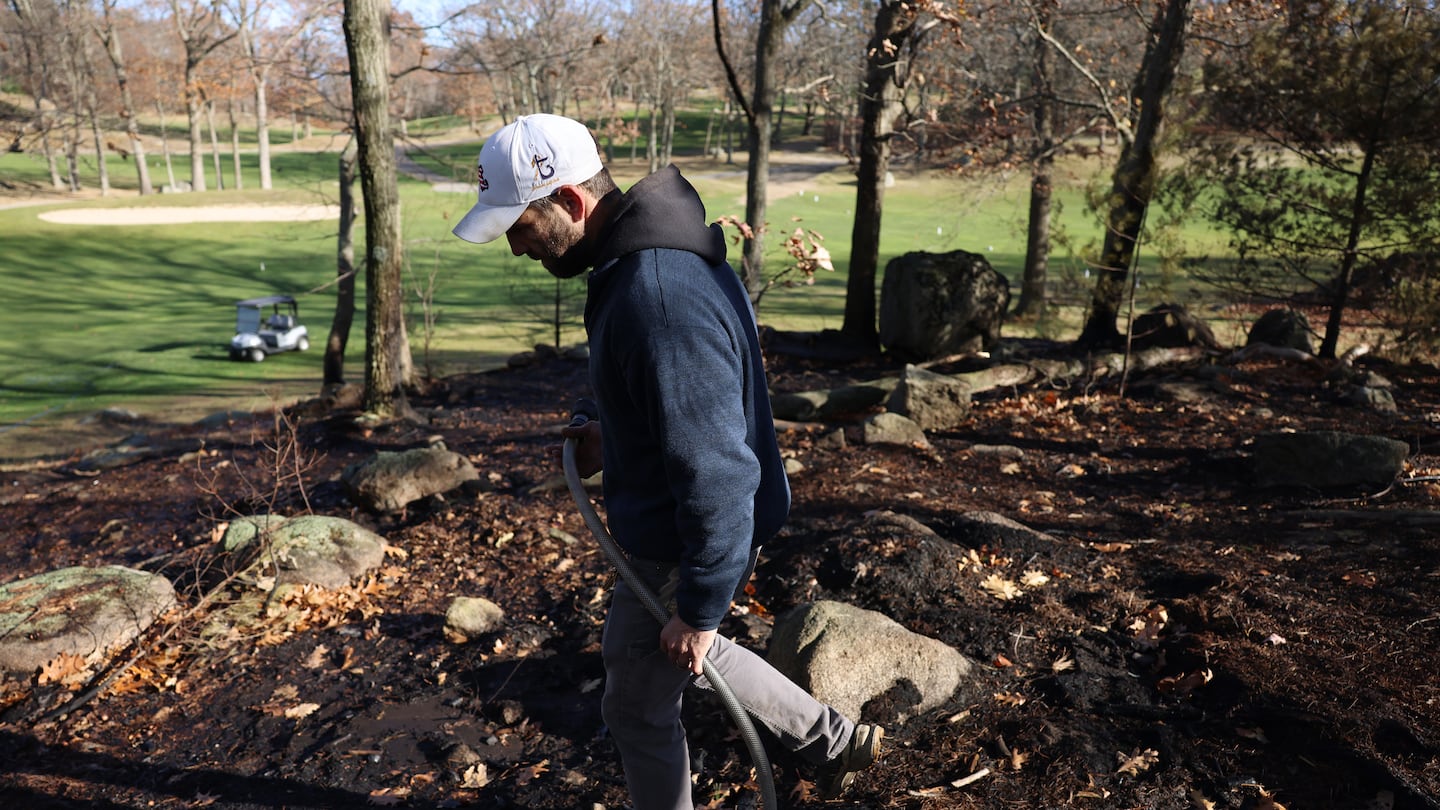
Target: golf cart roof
265	301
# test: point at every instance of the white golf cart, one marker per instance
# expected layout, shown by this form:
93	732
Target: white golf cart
281	331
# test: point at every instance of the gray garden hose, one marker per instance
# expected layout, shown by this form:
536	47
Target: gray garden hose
652	604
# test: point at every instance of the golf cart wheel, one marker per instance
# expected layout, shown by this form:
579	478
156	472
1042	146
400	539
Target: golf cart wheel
256	355
302	345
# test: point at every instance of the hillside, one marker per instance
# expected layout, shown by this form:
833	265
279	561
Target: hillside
1192	641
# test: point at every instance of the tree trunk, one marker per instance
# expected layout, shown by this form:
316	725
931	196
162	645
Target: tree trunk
334	365
214	144
1037	229
1134	178
773	21
262	129
386	349
234	144
165	144
99	146
1345	276
197	150
880	104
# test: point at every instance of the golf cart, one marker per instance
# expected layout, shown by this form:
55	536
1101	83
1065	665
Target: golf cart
279	332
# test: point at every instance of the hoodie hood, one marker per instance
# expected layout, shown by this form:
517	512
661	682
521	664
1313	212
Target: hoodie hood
661	211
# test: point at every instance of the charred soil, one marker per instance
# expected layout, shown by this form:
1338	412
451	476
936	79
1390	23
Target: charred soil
1169	636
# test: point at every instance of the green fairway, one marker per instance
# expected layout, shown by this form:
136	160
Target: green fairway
139	316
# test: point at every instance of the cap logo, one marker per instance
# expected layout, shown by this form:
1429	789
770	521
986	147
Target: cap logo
543	171
480	178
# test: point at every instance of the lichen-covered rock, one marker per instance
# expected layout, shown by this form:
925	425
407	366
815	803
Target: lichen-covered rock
80	611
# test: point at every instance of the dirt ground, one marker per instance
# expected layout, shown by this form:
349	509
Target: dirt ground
1177	638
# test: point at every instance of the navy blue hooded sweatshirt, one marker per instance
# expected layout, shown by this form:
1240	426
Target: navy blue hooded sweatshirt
693	474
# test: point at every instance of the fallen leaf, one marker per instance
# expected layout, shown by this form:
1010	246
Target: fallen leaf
66	669
389	797
1182	685
1017	760
803	791
1267	801
1061	664
475	776
532	772
1137	763
1147	626
1034	579
1001	661
1363	579
1110	548
1000	587
1199	802
1010	698
301	711
316	658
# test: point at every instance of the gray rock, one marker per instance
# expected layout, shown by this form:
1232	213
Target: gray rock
937	304
1170	325
1326	459
846	657
471	617
1283	328
1375	399
892	428
390	481
80	611
932	401
310	549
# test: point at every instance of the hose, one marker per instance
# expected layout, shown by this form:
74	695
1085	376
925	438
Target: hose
584	412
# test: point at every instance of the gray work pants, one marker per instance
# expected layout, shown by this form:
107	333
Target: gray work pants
643	689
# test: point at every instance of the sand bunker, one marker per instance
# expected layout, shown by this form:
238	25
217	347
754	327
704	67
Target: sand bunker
176	216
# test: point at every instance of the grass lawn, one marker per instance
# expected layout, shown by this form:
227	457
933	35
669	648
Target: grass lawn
139	316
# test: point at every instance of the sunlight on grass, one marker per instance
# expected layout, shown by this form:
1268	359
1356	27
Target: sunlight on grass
139	317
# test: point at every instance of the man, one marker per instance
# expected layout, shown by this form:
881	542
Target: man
694	482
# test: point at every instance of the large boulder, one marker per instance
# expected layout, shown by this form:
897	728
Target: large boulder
1282	328
389	482
847	656
938	304
1171	326
310	549
1327	458
84	612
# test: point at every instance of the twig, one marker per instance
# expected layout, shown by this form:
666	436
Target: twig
972	778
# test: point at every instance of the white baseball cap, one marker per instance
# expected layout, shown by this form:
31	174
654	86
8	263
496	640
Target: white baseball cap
526	160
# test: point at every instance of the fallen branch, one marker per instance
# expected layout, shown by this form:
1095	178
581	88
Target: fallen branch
859	397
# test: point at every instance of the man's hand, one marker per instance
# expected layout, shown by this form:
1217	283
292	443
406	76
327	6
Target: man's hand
685	646
588	457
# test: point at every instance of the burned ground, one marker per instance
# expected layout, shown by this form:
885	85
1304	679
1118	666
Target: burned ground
1167	636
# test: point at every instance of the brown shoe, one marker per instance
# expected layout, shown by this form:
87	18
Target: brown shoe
860	753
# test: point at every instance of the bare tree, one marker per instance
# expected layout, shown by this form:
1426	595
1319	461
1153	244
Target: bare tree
107	29
40	54
265	43
198	24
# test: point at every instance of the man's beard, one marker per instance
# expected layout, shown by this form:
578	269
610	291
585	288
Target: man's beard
562	257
